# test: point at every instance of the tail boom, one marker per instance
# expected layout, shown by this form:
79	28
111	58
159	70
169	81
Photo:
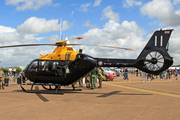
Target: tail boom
105	62
153	59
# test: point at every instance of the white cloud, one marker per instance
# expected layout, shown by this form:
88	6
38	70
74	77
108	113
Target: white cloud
108	13
55	5
34	25
152	23
4	29
66	25
72	13
176	2
84	7
29	4
178	12
130	3
87	24
126	34
53	39
97	3
73	5
9	35
174	41
163	10
22	55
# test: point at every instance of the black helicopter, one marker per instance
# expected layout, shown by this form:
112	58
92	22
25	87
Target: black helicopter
65	66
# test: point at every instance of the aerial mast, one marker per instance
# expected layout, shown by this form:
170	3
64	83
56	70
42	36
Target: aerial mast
60	28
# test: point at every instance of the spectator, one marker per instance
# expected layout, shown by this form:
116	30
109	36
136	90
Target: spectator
1	79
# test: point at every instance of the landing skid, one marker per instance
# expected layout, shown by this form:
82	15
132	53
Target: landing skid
50	88
57	87
30	91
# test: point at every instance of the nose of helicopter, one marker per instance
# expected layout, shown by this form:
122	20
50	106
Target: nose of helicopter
25	69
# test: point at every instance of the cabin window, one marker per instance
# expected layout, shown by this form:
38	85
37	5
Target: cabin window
67	57
155	40
161	40
43	66
55	65
33	66
84	58
51	68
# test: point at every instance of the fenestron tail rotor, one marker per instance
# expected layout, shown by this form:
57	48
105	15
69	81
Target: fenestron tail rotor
154	61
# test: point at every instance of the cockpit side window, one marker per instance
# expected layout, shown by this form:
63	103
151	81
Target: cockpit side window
49	68
33	66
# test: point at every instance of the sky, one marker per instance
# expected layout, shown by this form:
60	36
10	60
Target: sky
120	23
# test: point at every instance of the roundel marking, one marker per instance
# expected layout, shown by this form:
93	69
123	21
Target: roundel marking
100	63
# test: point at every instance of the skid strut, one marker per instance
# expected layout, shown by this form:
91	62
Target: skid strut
57	86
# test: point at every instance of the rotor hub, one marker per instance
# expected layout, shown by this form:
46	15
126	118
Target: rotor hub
154	60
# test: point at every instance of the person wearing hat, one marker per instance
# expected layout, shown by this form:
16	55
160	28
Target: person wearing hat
100	77
94	74
88	80
1	79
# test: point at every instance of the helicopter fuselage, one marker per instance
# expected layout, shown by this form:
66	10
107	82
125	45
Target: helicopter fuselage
62	72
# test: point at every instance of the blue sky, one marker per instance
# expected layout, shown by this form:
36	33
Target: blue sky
121	23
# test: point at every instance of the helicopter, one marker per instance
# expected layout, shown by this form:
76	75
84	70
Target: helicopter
65	66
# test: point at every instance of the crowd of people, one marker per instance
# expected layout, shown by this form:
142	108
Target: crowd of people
12	77
92	77
167	74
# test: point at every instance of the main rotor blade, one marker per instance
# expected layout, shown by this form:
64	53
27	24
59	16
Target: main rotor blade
101	46
65	45
75	38
27	45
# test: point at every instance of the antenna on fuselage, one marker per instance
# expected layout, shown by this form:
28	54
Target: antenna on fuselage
60	29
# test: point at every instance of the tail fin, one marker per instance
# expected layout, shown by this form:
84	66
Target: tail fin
154	56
